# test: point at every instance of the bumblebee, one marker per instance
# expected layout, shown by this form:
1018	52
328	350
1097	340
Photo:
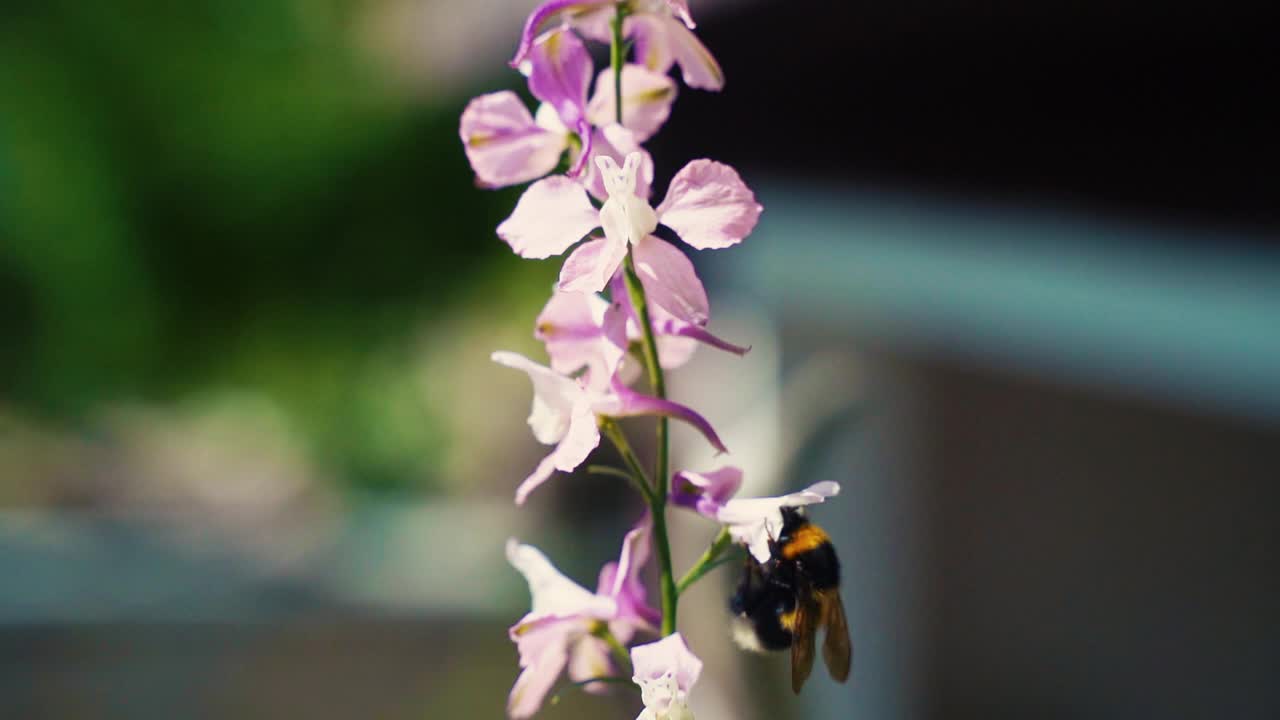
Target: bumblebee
781	603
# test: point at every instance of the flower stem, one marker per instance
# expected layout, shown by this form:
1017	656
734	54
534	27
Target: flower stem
615	57
619	652
658	499
709	560
638	477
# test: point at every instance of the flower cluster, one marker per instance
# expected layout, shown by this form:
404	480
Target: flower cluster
628	305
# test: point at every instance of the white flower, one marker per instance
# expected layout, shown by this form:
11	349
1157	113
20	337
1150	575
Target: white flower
666	671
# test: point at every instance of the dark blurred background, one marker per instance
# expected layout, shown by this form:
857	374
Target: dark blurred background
1016	287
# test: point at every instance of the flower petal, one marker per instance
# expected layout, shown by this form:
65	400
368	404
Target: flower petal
621	580
677	340
589	268
670	655
646	100
503	144
560	74
572	325
670	281
680	8
589	658
581	437
709	206
629	403
552	215
755	521
616	142
675	328
570	11
698	67
674	352
705	492
554	396
648	33
625	217
552	593
543	655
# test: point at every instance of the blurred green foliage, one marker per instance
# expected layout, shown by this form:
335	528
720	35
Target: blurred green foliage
226	193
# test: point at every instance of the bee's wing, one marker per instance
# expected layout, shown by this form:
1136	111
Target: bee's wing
802	639
837	652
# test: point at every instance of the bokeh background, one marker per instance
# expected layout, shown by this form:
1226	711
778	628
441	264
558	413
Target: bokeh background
1016	287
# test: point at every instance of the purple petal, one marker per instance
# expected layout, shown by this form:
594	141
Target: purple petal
698	67
589	268
630	403
560	74
649	35
587	135
709	206
668	655
572	325
674	327
503	144
621	580
670	281
570	11
552	215
616	142
646	100
705	492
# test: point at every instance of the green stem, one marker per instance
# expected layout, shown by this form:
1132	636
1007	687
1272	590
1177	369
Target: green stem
658	498
638	477
616	59
619	652
667	584
709	560
612	472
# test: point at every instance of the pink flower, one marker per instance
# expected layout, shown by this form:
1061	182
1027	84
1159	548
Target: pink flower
557	632
666	671
507	146
574	328
752	522
661	30
662	36
707	205
584	333
565	412
646	100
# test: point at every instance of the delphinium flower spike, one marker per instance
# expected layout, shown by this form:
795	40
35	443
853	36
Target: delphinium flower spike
628	304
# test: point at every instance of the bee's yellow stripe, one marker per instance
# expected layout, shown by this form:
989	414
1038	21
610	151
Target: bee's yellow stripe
788	621
809	537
